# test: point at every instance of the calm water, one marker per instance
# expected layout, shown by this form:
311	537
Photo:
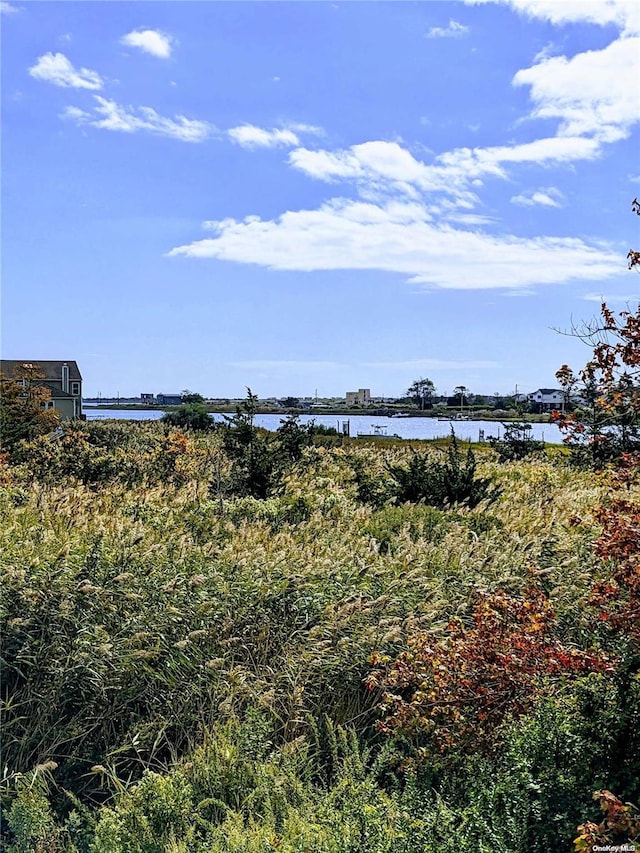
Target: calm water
402	427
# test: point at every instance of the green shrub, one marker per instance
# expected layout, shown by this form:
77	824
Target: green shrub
516	443
441	483
190	416
30	821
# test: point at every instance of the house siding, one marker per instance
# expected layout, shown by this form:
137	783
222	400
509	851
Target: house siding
66	403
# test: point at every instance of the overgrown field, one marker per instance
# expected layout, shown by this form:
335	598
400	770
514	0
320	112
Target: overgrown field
189	668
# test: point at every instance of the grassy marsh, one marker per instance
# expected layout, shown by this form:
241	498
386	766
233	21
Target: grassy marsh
167	644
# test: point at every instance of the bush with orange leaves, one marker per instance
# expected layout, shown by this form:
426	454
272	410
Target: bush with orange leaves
457	690
618	596
620	824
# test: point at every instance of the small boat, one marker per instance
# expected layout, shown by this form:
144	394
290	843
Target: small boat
379	431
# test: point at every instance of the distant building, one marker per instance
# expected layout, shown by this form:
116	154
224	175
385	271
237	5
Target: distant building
147	399
362	396
62	378
169	399
546	399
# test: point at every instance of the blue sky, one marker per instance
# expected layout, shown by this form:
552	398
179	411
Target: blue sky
308	196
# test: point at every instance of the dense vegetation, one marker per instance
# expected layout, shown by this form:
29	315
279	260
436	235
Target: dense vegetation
219	639
224	640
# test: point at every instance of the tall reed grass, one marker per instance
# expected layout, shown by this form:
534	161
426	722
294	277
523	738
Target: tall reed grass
144	607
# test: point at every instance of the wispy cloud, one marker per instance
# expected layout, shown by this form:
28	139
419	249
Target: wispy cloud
108	115
154	42
453	30
549	197
250	136
57	69
343	234
612	297
523	291
8	9
471	219
380	167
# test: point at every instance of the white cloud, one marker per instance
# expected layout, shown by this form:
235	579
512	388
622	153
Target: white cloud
351	235
415	217
7	9
250	136
108	115
57	69
549	197
453	30
153	42
471	219
611	298
593	93
76	114
327	165
380	167
625	14
301	127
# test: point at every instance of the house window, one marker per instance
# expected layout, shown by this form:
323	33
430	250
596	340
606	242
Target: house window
75	388
48	404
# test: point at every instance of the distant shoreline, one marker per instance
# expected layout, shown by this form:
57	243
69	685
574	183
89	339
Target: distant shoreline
375	411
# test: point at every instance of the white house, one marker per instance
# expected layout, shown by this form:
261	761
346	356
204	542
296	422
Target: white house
547	399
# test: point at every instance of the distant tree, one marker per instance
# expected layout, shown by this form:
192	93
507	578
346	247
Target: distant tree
252	458
516	443
567	381
421	392
461	397
522	405
24	413
190	416
290	402
292	438
500	402
191	396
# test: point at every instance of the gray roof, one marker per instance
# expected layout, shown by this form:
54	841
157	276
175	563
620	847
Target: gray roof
57	393
51	370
